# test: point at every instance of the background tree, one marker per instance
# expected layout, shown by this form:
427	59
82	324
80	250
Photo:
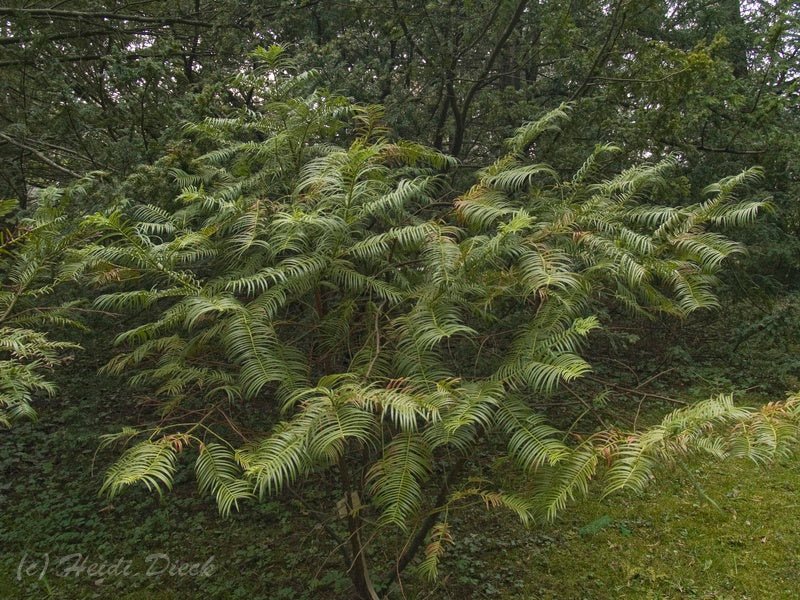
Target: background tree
91	86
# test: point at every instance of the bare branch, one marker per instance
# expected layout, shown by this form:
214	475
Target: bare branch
40	156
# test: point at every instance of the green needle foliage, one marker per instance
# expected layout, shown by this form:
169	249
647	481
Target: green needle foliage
318	297
31	253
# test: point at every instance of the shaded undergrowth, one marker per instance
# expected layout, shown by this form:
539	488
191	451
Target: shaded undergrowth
725	530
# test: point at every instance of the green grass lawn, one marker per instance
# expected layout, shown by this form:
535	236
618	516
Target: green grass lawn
667	543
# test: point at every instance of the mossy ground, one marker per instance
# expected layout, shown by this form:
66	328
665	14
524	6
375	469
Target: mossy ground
669	542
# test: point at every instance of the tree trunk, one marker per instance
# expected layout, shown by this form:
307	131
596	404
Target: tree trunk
733	27
358	570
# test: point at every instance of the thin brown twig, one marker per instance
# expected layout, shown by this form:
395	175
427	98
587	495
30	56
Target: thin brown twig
636	391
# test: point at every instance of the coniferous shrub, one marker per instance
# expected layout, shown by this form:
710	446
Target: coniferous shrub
316	301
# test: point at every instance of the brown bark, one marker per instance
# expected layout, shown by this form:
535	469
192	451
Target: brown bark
358	570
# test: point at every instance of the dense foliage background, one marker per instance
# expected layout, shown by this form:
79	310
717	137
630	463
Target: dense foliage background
364	257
